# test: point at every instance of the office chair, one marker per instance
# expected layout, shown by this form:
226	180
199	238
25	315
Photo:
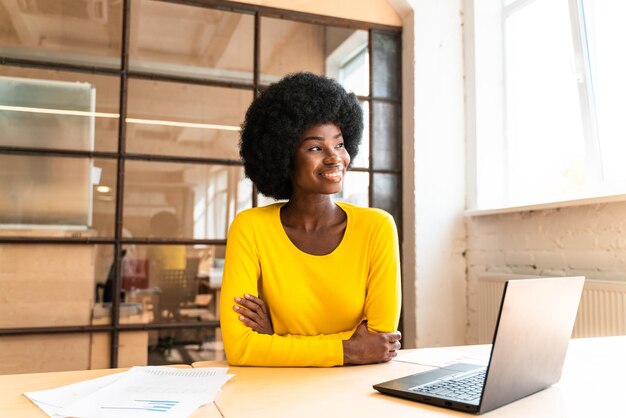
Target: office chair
179	288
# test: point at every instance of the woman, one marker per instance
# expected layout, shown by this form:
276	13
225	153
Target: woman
309	282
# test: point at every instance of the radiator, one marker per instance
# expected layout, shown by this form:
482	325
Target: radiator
602	310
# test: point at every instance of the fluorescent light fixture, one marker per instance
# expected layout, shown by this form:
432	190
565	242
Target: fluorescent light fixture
58	111
182	124
116	116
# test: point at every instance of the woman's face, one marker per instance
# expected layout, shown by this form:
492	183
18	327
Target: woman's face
320	161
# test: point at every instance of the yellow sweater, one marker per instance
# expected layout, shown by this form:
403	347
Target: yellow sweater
315	302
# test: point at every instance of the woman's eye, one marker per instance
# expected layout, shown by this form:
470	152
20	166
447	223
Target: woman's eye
315	149
340	145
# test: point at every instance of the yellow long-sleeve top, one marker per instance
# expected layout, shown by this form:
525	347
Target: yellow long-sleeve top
315	301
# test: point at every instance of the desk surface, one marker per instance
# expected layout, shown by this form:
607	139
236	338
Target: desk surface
591	386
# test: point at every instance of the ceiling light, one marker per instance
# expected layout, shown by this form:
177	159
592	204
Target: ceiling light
116	115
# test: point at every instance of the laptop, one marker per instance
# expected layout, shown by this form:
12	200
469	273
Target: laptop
532	333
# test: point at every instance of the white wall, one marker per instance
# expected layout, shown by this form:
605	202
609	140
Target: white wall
588	240
434	169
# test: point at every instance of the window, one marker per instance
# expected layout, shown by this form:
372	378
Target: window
605	78
562	91
120	171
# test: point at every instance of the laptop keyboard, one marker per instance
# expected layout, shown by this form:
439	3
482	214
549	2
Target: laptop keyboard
466	388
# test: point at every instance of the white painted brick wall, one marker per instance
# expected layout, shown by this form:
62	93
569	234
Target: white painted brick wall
585	240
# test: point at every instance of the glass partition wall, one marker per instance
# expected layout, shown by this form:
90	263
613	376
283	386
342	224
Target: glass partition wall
119	165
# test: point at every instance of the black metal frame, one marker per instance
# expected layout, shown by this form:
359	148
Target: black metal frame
124	73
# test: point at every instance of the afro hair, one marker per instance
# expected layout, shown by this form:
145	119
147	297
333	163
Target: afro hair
277	119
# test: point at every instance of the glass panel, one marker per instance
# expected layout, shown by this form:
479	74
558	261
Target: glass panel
104	192
386	136
136	308
386	65
68	31
57	196
50	285
347	58
288	46
190	351
174	284
338	53
363	157
133	345
387	194
45	353
544	136
151	272
185	120
185	346
174	200
355	188
354	73
191	41
56	109
604	33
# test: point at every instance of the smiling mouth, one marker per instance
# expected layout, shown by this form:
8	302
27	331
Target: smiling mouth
335	175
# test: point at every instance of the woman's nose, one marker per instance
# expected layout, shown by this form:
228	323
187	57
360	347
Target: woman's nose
332	157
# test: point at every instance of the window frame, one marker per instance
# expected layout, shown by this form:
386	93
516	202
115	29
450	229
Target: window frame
488	104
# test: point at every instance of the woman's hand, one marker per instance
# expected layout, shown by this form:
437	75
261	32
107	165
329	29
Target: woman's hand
253	312
366	347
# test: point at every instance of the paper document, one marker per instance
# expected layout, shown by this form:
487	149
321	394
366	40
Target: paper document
52	400
441	357
140	392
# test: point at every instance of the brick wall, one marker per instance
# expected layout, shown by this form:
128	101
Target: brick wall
587	240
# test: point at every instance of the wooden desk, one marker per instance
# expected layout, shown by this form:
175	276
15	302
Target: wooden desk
591	386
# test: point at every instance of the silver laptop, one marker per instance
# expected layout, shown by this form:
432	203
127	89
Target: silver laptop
529	345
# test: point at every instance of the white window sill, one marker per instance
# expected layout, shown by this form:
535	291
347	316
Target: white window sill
549	205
